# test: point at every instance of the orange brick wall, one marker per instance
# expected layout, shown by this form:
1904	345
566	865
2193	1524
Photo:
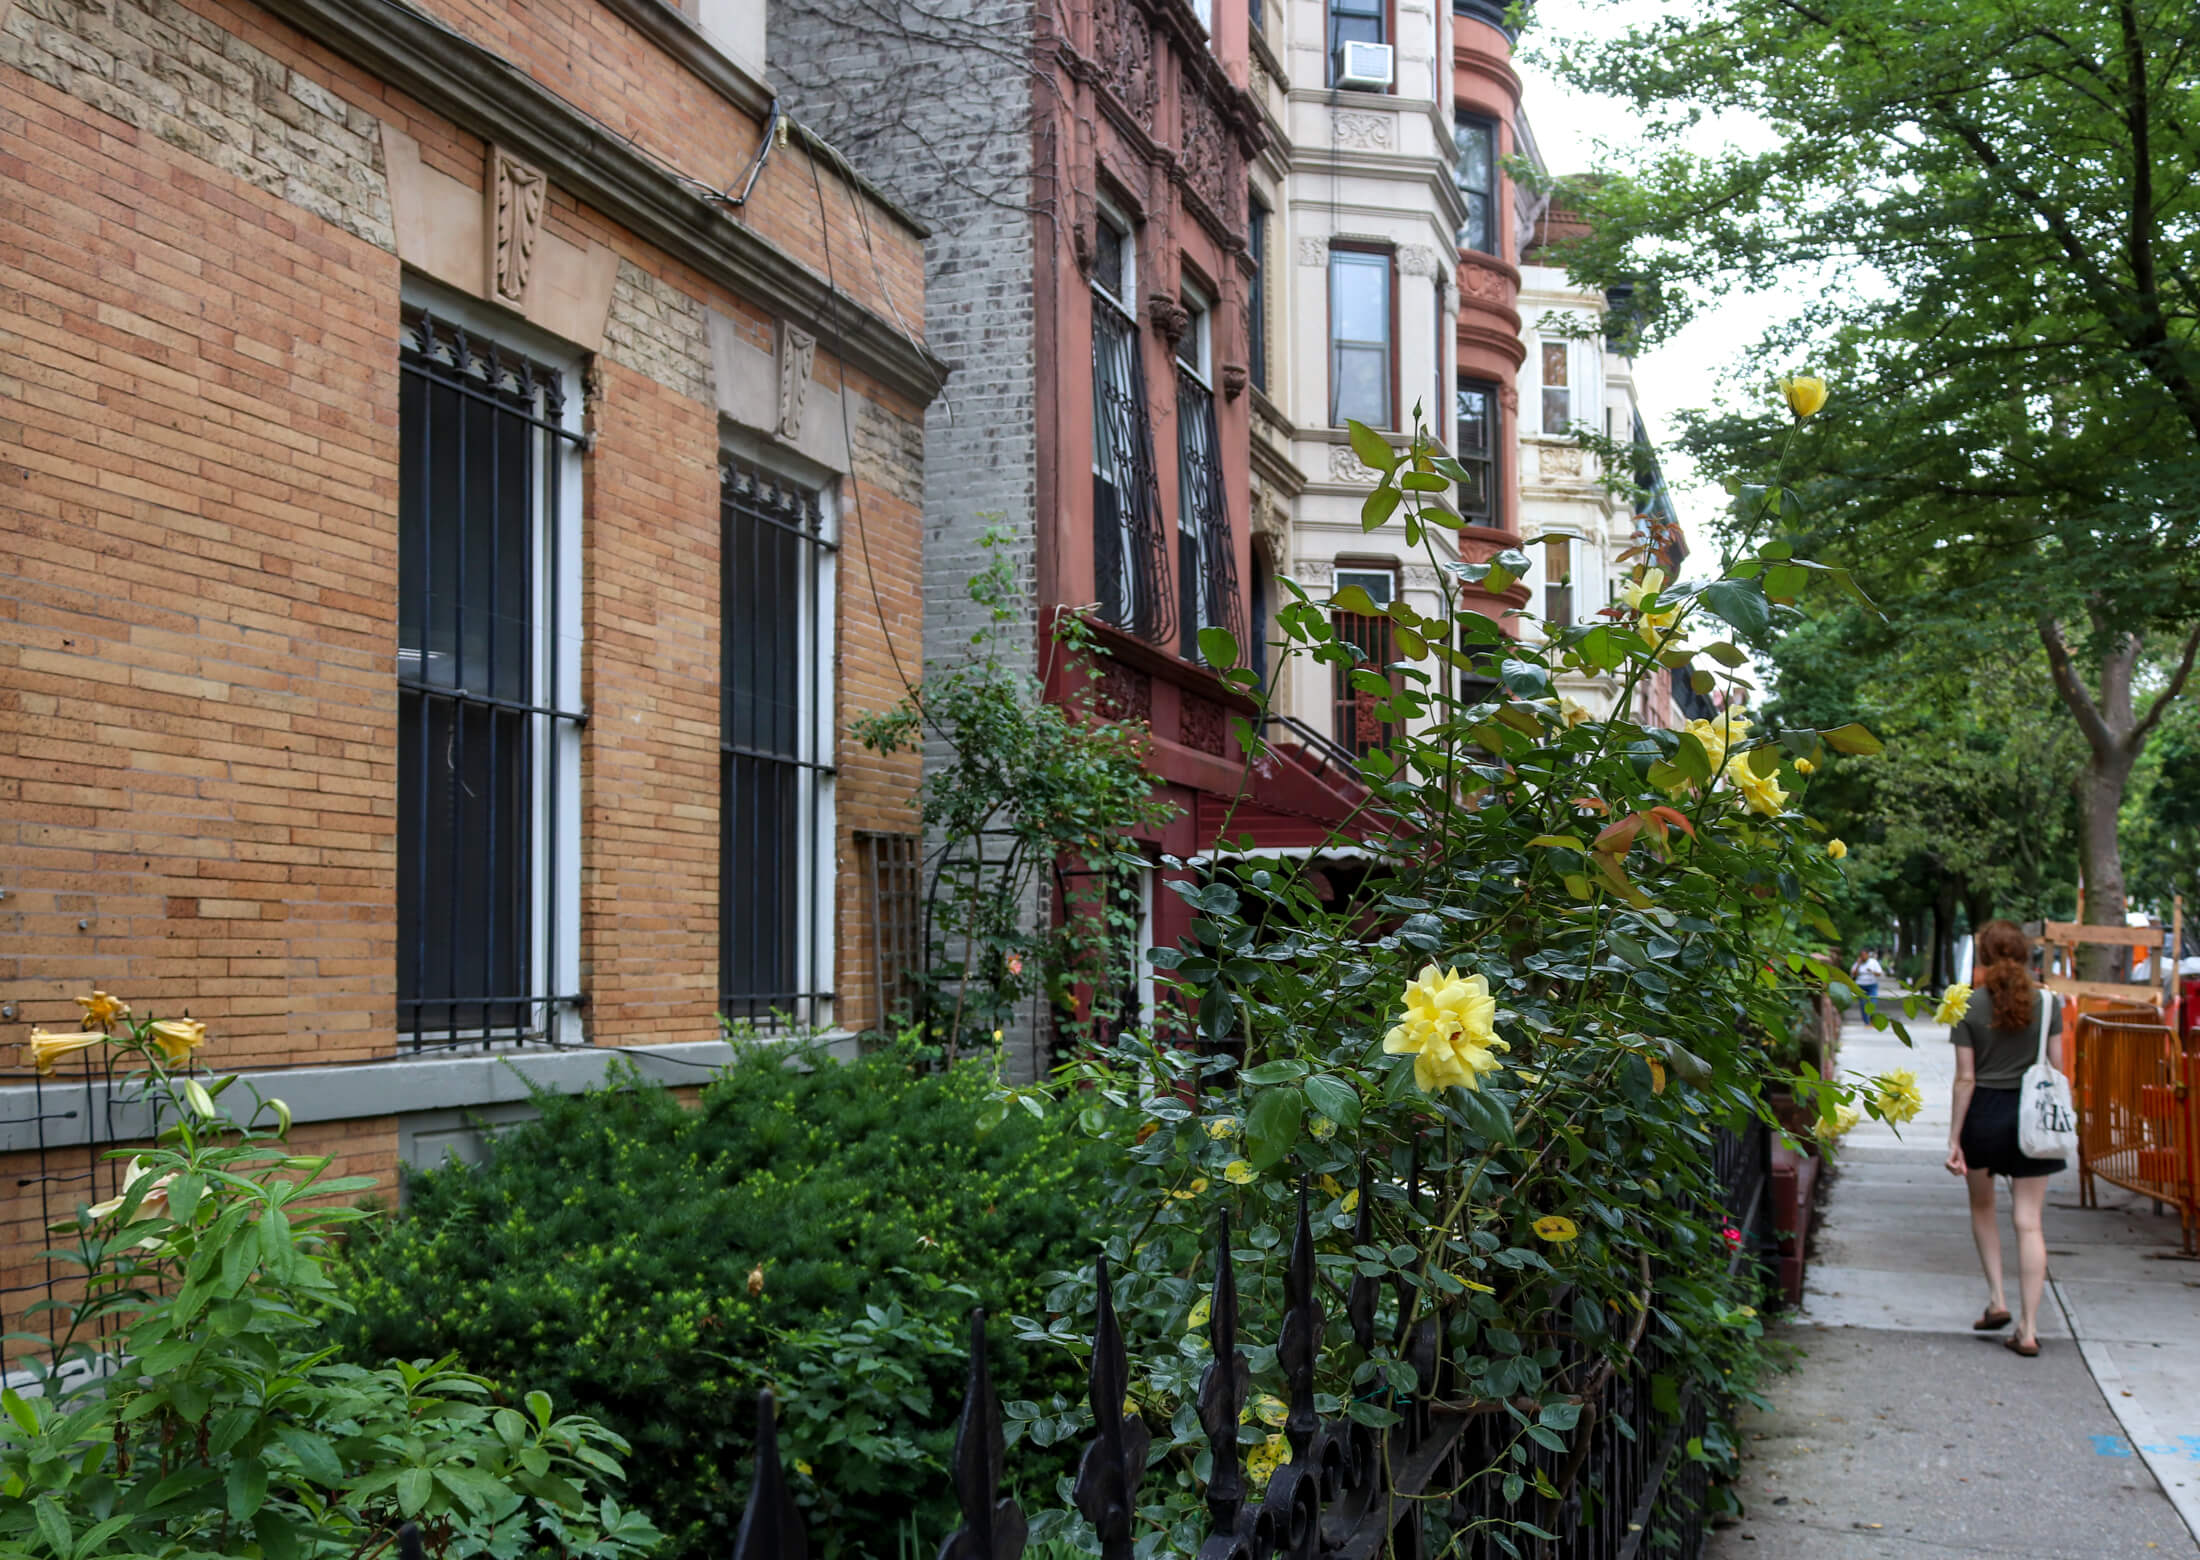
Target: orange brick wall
198	699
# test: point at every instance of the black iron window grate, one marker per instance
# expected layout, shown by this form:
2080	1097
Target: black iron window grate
1206	565
775	774
1129	560
488	676
893	865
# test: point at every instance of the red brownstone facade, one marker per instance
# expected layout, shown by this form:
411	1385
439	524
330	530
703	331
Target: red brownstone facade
299	301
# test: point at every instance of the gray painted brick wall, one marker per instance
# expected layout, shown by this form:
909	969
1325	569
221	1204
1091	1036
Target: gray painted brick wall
935	107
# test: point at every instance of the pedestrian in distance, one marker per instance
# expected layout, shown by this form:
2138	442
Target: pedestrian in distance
1867	974
1996	1039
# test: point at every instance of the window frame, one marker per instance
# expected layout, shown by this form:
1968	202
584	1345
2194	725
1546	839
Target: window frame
1123	454
1489	457
1463	122
1385	33
1545	389
1258	214
814	955
1356	254
1345	573
551	708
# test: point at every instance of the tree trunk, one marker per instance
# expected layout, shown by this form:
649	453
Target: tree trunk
1939	968
2115	735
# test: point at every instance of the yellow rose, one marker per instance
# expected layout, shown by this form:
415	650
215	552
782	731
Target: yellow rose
1954	1003
1844	1117
1449	1028
1240	1172
1897	1095
1838	850
48	1046
178	1038
1761	794
1556	1228
101	1010
1720	733
1655	625
1574	714
1805	393
1804	766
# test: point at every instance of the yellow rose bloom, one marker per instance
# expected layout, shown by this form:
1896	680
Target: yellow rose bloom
1804	766
1262	1462
1449	1029
1954	1003
1897	1095
1573	713
1805	393
101	1010
178	1038
1654	626
1556	1228
1718	734
48	1047
1761	794
1844	1117
1837	849
1240	1172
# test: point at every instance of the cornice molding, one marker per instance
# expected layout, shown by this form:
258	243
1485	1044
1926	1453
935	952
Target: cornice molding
453	75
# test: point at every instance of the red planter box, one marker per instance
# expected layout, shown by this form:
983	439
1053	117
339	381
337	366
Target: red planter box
1794	1179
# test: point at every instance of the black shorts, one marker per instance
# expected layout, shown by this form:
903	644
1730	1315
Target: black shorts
1989	1137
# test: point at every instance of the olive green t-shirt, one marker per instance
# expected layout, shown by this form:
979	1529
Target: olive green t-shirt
2000	1056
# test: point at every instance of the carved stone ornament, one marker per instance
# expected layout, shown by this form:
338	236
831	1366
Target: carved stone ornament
1314	251
797	354
1234	380
1345	466
1559	460
1209	153
1484	286
1169	316
1419	260
1123	694
517	194
1202	725
1367	132
1509	397
1122	42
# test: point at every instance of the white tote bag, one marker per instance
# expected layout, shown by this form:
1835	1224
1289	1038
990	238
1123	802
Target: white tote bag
2047	1121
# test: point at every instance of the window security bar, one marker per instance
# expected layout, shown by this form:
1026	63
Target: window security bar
1206	565
1129	552
775	771
488	725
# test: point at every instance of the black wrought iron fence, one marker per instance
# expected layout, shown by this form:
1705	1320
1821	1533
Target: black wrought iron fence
1628	1483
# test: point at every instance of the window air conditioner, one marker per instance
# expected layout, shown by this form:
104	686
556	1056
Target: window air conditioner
1364	67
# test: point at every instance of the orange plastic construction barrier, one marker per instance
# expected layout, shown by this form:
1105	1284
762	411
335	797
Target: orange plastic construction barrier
2138	1098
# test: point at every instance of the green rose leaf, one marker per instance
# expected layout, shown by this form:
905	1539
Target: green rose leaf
1372	448
1853	738
1272	1127
1740	603
1334	1098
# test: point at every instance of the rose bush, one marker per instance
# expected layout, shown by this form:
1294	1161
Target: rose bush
1557	979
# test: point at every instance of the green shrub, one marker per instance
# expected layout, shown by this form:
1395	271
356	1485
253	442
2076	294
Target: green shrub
822	1231
184	1406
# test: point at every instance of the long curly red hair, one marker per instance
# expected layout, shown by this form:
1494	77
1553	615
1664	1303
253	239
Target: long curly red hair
2005	973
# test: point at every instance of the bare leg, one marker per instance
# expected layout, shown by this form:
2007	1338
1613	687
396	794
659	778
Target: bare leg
2030	1195
1986	1232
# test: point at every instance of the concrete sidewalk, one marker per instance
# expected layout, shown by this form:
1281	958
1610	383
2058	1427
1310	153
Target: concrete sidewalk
1903	1433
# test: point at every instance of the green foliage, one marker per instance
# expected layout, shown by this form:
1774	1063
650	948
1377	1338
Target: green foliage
815	1226
188	1408
1629	913
1992	203
1025	784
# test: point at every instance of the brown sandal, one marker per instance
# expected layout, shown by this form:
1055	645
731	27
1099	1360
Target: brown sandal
1992	1321
2016	1346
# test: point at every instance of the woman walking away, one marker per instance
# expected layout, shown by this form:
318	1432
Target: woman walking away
1996	1040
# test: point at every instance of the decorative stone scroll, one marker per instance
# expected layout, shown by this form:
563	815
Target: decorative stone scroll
1205	156
1419	260
1314	251
797	355
1362	131
1122	42
1345	466
517	194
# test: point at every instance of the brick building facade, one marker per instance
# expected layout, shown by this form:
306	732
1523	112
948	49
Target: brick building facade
461	464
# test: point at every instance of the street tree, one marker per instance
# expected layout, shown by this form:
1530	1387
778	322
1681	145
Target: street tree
2001	197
